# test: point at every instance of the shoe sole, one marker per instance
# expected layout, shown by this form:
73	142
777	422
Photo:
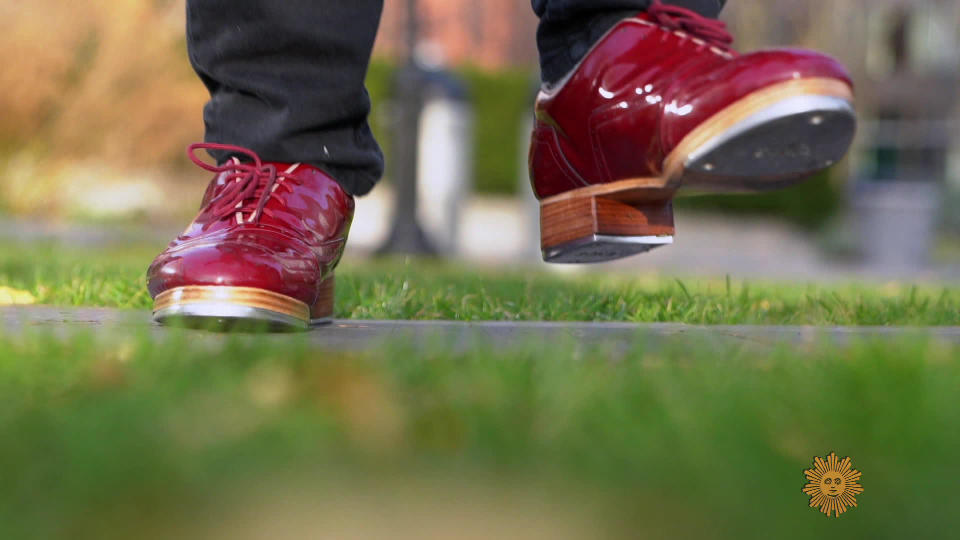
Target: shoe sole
771	139
241	309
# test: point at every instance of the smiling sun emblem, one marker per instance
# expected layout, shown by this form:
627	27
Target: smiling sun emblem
833	485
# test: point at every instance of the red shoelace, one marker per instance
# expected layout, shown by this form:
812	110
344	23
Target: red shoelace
244	184
689	21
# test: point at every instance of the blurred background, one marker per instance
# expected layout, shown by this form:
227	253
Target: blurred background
99	102
115	434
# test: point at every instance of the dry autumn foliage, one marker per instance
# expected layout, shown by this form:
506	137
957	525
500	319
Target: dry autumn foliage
94	83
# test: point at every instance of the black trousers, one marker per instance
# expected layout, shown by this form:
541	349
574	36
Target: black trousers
286	78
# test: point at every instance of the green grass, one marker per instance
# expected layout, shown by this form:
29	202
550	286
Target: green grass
432	290
199	436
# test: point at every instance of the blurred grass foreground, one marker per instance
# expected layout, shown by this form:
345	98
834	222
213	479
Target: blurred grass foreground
193	437
137	435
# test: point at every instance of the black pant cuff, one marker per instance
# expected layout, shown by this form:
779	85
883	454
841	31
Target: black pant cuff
563	45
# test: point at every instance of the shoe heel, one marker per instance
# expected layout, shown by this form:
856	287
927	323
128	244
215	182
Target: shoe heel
608	222
322	310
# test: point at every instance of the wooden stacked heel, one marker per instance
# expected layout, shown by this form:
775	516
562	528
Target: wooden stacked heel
322	310
602	223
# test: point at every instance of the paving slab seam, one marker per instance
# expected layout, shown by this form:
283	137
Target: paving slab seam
367	334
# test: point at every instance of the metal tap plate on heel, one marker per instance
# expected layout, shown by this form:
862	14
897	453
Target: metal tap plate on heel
230	308
228	318
600	248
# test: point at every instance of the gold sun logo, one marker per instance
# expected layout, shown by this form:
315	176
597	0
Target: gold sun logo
833	485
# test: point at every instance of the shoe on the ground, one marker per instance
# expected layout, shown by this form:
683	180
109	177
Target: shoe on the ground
262	251
662	102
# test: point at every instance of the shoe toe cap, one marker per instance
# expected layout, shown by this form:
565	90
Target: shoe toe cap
238	262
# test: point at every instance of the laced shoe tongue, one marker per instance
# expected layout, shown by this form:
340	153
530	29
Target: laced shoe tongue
673	17
246	186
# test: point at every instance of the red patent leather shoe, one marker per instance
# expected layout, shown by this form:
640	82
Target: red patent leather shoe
662	102
262	250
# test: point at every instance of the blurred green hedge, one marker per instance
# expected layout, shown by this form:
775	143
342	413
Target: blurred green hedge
810	205
503	101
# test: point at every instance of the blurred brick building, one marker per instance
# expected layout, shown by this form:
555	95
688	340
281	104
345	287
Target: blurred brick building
489	33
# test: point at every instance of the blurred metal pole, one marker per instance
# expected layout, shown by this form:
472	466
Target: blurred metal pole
406	235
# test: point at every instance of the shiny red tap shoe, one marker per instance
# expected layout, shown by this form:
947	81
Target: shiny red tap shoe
661	103
262	251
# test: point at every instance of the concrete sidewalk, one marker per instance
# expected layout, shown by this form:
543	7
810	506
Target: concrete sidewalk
349	335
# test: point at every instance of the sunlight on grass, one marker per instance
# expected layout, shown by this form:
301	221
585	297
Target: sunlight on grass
14	297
